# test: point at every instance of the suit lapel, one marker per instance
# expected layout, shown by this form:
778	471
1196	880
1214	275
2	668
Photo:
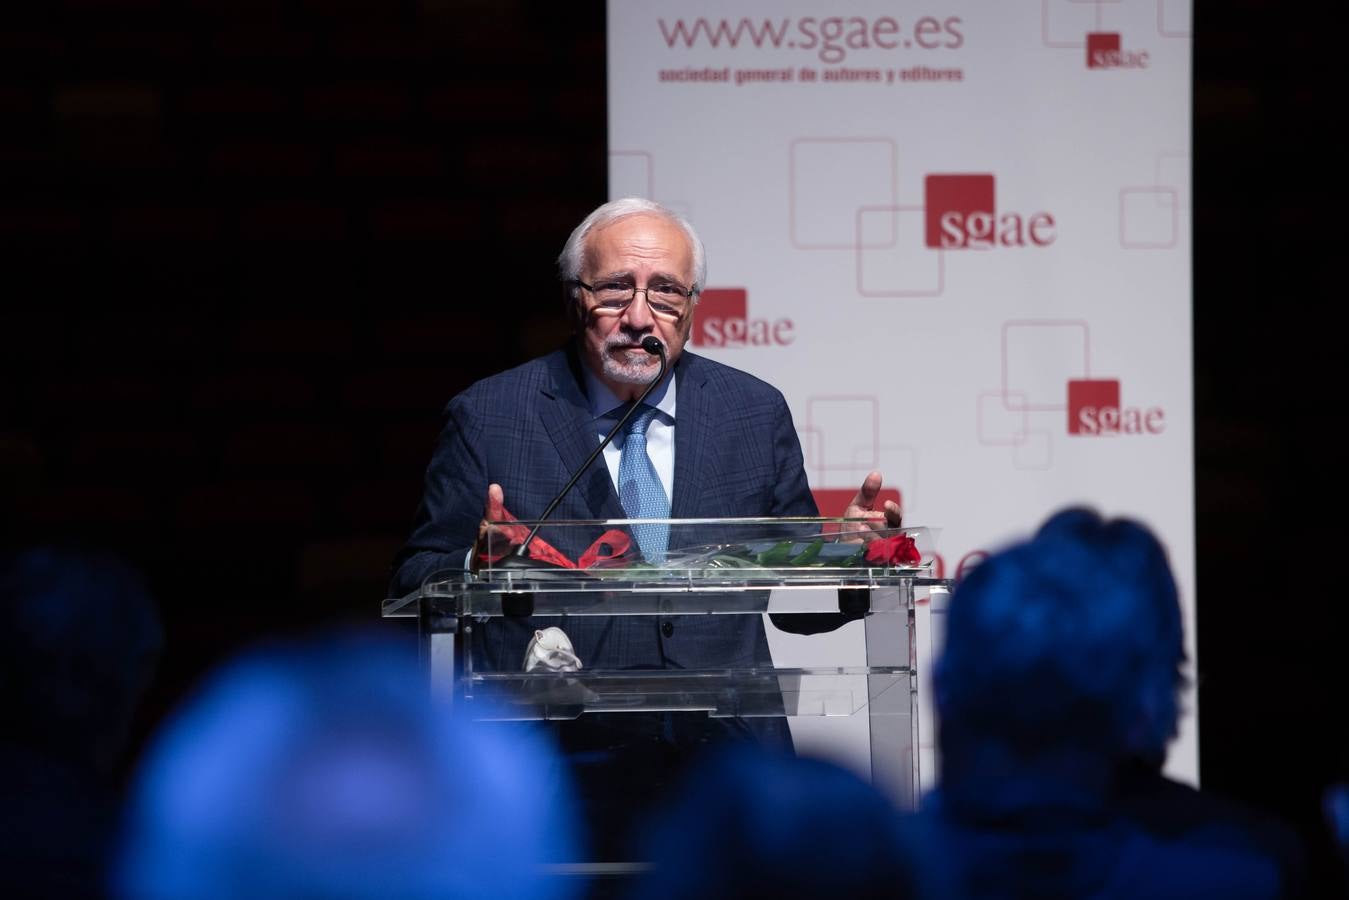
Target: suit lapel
693	425
566	417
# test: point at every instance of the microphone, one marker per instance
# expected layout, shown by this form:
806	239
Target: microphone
517	559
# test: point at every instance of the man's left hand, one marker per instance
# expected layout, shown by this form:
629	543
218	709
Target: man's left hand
865	506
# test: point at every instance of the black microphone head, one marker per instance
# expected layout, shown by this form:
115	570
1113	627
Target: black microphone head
651	344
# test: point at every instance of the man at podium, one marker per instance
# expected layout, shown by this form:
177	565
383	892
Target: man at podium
709	441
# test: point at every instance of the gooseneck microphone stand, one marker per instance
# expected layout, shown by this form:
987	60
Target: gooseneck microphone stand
518	558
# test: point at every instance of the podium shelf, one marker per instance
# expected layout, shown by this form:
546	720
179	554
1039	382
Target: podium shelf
745	693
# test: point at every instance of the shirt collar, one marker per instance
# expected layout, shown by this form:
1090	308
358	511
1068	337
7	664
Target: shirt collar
602	400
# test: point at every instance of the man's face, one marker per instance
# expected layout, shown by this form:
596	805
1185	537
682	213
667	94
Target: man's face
645	251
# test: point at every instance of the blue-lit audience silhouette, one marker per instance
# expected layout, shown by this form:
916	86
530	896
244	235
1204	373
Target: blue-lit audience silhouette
1057	694
1335	806
325	770
80	640
751	824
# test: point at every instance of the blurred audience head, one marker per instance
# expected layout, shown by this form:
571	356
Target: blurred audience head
1335	806
81	639
1070	643
750	824
326	770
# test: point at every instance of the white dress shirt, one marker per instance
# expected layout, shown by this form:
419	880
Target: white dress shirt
659	434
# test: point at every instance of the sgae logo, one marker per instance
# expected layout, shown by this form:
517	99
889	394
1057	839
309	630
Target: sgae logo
1094	409
1105	51
721	319
962	214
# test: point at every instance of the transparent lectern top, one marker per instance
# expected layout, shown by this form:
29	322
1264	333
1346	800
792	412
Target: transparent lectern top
722	557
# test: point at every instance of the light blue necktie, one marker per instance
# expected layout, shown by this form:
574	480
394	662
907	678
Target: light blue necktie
640	490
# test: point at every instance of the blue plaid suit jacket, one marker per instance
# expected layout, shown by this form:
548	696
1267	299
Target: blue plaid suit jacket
527	429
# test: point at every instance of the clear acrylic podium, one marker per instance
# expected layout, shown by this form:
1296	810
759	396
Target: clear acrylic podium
722	567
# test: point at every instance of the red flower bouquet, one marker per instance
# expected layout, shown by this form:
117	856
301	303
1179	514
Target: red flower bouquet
899	550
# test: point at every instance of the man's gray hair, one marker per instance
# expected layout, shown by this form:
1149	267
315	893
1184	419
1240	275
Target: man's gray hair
572	258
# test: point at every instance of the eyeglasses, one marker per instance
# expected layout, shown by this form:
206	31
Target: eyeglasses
664	299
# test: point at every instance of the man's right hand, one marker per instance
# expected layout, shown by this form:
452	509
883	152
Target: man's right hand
492	539
865	506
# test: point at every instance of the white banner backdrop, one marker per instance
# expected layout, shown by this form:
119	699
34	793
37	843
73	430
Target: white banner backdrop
955	234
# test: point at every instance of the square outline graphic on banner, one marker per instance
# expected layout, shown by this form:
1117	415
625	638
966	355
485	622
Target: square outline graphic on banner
1039	443
1172	221
822	462
1169	31
1086	12
1173	170
1052	378
1017	435
863	252
799	175
812	444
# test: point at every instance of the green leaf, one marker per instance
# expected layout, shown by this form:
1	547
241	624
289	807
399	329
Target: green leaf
776	556
856	558
807	556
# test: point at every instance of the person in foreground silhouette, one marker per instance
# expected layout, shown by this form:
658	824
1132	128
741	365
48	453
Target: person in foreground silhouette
750	824
324	770
1057	693
80	639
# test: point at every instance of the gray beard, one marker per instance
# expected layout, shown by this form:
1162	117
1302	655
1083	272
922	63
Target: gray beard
633	366
620	372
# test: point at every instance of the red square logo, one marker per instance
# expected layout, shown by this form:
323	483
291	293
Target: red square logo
1086	401
1102	48
950	201
717	308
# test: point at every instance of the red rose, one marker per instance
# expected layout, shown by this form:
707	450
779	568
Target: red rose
899	550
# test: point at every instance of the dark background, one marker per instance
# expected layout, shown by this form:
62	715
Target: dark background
251	248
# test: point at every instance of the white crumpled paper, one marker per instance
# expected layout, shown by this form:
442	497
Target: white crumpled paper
551	649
